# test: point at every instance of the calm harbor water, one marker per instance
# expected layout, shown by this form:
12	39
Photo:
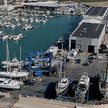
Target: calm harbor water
41	38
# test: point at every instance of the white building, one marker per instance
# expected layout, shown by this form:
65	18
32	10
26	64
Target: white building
87	37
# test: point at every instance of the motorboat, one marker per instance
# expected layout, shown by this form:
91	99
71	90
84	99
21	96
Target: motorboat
13	26
27	27
83	84
9	83
62	85
53	49
82	88
103	84
5	37
17	37
72	54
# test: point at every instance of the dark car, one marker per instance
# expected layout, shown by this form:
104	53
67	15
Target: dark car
85	63
77	60
90	60
93	56
29	82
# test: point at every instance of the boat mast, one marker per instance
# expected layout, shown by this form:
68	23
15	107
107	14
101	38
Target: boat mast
7	54
62	62
5	2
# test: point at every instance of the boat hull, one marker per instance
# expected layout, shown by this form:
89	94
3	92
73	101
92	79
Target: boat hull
14	74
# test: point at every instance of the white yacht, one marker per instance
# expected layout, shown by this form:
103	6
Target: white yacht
17	37
72	54
13	26
27	27
82	88
53	49
103	84
9	84
5	37
83	84
62	85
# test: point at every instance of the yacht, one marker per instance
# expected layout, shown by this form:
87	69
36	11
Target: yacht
13	26
82	88
103	84
62	85
17	37
72	54
53	49
9	83
27	27
5	37
83	84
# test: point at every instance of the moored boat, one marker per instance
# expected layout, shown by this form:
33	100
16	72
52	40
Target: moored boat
9	83
62	85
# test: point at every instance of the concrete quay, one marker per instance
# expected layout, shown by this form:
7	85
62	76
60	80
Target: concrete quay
32	102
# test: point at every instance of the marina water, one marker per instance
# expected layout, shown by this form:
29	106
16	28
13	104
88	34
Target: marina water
41	38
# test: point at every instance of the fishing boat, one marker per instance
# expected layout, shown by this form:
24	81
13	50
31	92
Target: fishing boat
62	85
9	83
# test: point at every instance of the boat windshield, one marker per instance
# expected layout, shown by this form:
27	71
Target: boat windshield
82	87
1	81
64	81
9	81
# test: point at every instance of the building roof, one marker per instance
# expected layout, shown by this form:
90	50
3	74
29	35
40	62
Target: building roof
96	11
89	30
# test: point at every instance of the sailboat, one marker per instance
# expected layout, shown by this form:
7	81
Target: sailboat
16	71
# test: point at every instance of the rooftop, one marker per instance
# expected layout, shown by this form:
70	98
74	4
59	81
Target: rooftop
96	11
89	30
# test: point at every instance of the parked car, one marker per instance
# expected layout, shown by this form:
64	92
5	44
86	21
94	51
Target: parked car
86	63
77	61
93	56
